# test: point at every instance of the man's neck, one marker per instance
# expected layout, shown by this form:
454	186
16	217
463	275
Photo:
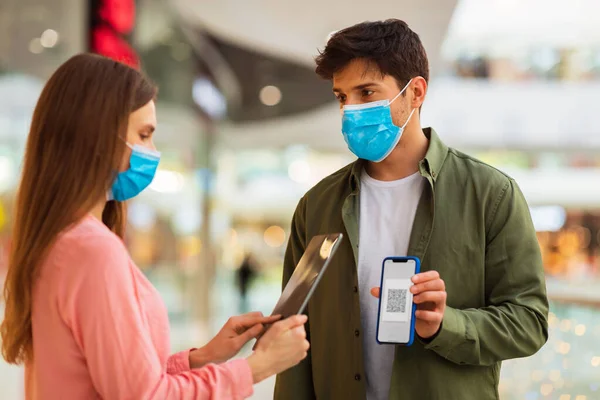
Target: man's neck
404	160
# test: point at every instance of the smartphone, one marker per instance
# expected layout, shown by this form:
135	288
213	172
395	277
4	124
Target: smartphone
396	316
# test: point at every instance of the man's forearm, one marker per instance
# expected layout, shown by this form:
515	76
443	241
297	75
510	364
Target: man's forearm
489	335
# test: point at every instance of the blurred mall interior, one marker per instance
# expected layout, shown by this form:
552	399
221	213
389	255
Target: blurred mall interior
246	127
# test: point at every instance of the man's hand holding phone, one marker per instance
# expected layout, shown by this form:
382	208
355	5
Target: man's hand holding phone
429	294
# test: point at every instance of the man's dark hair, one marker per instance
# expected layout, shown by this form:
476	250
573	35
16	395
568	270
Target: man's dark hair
391	45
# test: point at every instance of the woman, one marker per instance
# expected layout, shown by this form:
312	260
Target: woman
79	314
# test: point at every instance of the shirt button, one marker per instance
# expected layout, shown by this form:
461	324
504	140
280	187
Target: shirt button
355	289
357	377
357	333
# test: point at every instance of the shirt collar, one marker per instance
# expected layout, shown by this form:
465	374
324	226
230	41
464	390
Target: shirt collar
429	167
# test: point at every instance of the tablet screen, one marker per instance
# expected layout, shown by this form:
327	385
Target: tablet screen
307	274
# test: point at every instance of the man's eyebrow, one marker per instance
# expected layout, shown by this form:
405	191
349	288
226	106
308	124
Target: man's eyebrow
358	87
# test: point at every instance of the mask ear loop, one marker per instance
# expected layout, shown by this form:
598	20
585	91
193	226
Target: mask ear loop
126	143
409	117
402	91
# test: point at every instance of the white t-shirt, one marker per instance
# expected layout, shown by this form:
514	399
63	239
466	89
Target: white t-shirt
387	212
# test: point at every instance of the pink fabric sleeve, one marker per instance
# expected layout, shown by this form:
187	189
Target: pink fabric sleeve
179	362
100	303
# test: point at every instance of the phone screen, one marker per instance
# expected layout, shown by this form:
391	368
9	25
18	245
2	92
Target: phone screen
395	323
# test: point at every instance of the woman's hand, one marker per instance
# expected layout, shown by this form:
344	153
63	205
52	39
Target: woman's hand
233	336
283	346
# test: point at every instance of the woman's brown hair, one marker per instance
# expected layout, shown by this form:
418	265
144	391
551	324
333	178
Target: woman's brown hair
74	147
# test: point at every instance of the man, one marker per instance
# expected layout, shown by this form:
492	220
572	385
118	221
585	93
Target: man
481	297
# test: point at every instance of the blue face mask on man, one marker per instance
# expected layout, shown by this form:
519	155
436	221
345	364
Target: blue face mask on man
143	164
369	131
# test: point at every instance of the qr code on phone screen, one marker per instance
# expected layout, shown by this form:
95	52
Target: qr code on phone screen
396	300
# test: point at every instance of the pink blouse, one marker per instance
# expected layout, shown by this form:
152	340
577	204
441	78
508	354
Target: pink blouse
100	330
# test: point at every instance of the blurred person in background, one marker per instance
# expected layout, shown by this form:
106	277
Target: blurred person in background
245	275
80	315
481	297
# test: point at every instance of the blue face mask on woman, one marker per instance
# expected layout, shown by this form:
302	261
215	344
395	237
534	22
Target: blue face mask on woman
143	164
369	131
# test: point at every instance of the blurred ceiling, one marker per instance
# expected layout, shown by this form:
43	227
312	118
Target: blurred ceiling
295	30
506	27
261	43
270	42
296	87
22	22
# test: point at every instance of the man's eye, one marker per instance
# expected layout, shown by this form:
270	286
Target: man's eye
367	93
341	98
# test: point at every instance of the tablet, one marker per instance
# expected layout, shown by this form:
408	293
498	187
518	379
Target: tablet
306	276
